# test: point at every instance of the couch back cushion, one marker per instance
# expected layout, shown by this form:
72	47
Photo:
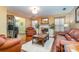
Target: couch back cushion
74	33
10	43
2	41
61	33
3	36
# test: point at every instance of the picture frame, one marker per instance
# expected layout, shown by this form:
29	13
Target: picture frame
77	15
44	21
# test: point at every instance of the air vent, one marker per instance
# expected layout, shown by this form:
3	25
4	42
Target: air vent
64	9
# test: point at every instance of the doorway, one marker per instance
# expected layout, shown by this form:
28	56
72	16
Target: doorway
35	25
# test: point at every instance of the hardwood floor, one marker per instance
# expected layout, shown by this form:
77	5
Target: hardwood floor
26	39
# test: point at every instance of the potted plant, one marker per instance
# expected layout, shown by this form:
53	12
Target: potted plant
37	26
52	26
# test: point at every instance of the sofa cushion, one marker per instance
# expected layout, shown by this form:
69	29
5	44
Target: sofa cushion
61	33
10	43
68	37
2	41
74	33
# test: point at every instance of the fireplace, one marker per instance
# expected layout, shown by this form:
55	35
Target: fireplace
44	28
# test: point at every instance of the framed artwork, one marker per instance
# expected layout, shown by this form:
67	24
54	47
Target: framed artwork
44	21
77	15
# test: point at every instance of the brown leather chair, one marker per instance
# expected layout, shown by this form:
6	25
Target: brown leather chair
30	31
9	45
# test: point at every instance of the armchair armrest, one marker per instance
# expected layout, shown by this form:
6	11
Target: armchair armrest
10	43
68	42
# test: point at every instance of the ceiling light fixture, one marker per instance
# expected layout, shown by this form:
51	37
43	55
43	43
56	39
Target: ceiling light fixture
34	10
17	17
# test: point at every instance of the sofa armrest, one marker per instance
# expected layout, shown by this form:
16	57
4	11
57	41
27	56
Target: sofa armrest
63	42
10	43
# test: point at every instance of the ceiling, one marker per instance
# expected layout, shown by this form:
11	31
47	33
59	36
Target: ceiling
44	10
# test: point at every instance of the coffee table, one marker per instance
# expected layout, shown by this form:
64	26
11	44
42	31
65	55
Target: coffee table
40	38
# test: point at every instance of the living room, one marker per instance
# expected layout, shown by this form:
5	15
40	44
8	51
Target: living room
39	29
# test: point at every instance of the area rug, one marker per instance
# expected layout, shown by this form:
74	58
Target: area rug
29	47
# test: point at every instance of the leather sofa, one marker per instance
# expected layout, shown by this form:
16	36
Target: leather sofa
62	38
9	45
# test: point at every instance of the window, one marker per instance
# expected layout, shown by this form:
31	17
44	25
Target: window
59	24
34	23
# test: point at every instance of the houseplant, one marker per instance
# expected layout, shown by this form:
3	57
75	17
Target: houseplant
52	26
37	26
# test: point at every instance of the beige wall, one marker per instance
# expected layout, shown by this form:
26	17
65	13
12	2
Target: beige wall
16	13
3	20
27	20
51	20
70	19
